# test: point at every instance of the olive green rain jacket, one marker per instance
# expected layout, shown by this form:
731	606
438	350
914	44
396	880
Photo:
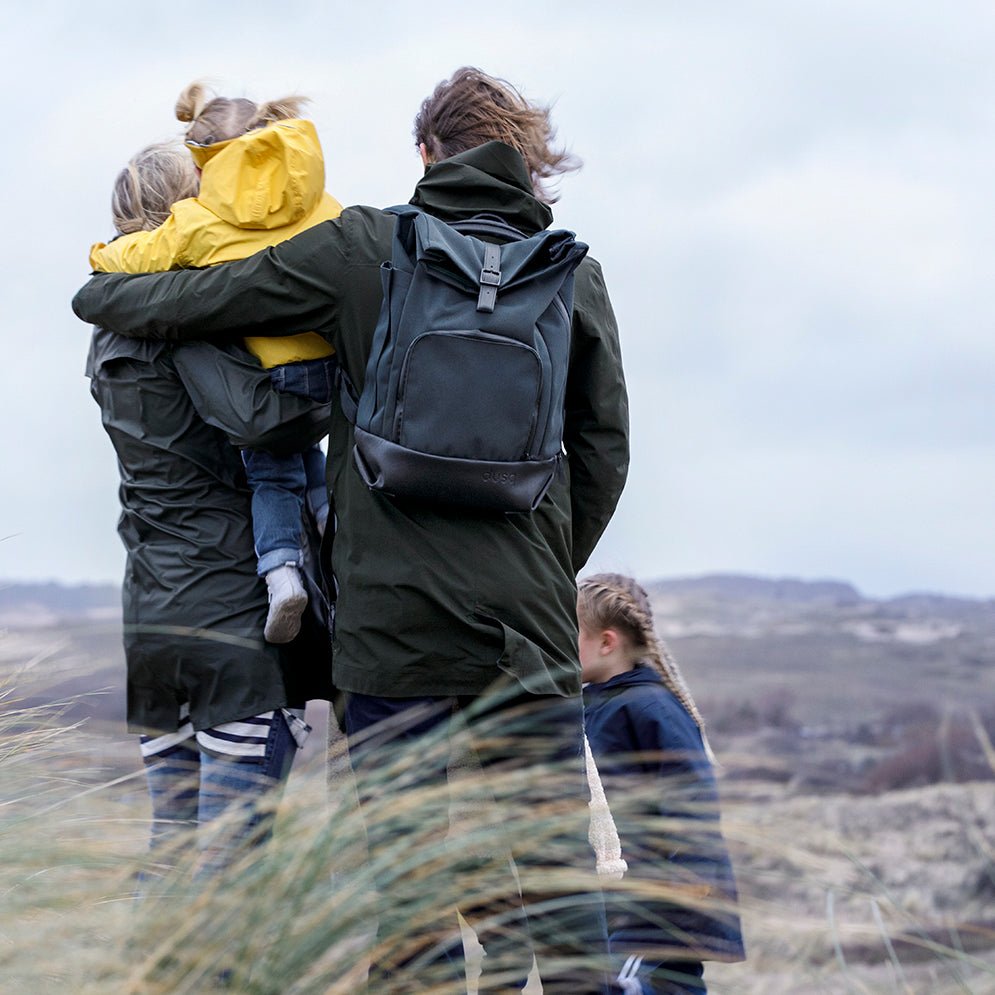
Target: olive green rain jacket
193	606
429	601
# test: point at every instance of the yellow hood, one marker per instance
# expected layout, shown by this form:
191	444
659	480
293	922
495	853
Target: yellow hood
268	178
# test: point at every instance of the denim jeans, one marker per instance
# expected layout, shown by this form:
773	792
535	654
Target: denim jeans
190	789
280	485
516	737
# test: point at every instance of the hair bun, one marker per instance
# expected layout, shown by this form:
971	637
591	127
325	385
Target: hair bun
191	101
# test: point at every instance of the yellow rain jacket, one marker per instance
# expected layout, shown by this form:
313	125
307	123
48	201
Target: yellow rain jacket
255	191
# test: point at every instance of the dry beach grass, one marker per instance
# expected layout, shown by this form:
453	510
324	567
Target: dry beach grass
843	890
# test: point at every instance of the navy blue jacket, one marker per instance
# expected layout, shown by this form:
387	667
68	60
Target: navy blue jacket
662	793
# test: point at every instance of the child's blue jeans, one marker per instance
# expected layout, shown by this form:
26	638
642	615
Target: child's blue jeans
281	484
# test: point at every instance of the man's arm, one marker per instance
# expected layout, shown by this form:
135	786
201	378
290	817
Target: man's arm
596	426
232	392
278	291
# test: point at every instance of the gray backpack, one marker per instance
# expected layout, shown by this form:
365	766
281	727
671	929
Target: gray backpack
462	404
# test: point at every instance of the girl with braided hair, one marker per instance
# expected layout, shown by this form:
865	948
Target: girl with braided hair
678	907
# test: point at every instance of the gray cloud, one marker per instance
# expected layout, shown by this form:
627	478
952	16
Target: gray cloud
792	207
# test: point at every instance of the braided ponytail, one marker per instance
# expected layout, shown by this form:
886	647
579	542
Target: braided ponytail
614	601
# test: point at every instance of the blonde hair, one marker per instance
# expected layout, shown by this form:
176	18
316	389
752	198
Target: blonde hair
147	187
471	108
212	119
614	601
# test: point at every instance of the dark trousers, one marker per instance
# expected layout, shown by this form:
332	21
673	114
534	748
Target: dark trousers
476	781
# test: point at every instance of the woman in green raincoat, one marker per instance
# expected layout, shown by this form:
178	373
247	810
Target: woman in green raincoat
219	710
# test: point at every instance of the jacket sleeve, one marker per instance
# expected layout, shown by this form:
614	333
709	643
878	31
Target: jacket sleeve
233	393
596	423
277	291
142	251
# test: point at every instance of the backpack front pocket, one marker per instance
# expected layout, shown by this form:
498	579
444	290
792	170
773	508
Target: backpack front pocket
468	395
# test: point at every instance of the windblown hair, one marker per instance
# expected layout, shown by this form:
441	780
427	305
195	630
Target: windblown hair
147	187
215	119
471	108
614	601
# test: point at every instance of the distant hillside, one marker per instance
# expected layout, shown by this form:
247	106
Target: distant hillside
818	680
26	604
792	590
744	586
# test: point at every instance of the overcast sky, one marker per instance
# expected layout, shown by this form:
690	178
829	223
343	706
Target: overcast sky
792	202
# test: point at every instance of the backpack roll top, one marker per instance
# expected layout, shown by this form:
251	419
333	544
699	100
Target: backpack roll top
463	397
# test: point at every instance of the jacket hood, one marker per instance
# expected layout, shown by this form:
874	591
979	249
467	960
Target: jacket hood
491	178
267	178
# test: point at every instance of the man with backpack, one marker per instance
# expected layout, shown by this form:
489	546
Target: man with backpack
455	567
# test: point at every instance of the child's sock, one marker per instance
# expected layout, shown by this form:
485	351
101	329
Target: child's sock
287	601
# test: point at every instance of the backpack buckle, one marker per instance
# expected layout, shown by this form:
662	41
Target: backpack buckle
490	278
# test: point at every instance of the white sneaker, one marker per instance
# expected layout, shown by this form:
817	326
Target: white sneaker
287	601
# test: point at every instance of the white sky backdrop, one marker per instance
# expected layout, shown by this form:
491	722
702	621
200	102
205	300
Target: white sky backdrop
792	202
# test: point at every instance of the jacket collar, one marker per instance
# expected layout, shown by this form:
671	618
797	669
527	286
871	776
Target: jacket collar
640	674
203	154
490	179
